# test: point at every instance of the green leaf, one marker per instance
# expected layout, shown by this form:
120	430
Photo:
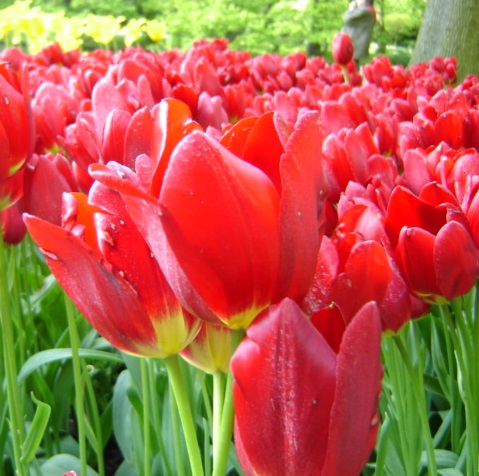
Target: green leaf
60	464
36	430
52	355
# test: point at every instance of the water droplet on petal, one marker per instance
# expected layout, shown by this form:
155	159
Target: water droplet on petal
50	255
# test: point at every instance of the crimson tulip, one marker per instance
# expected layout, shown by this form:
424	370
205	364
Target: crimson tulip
306	393
342	48
104	265
432	242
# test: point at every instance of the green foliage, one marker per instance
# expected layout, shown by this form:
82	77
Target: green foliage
271	26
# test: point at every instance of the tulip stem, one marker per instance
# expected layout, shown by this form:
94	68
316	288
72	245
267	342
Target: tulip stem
419	393
345	74
181	399
218	401
77	377
146	418
223	443
13	394
464	332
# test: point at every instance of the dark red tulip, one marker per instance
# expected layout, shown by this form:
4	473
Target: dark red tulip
342	49
306	405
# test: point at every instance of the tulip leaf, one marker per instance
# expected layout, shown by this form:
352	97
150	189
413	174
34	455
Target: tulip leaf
36	430
52	355
61	463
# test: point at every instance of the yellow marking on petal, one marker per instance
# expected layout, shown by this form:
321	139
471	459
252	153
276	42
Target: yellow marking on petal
243	319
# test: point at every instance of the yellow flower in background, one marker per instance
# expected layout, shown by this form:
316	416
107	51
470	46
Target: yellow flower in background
132	31
102	29
68	31
33	29
155	30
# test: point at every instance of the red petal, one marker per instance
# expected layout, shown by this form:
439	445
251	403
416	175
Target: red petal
415	258
456	259
405	209
221	221
113	144
366	278
319	294
354	416
284	383
44	187
109	303
448	128
300	209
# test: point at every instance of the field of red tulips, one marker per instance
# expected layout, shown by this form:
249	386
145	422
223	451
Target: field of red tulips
213	263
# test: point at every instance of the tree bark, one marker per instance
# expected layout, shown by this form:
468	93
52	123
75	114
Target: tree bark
450	28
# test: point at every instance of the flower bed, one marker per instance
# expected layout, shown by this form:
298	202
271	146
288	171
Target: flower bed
295	229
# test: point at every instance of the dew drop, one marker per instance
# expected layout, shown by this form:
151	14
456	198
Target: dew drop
122	222
105	236
121	273
191	193
50	255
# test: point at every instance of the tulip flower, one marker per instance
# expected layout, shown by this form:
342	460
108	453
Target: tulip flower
343	48
356	266
306	393
230	229
432	242
104	265
16	134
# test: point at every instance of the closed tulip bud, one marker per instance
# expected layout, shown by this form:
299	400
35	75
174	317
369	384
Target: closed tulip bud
342	48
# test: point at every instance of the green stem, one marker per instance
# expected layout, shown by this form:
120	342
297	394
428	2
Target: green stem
226	431
155	405
96	420
180	470
464	334
218	400
78	381
13	394
345	74
181	398
146	418
221	452
419	392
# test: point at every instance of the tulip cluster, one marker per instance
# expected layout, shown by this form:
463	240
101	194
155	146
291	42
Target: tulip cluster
181	198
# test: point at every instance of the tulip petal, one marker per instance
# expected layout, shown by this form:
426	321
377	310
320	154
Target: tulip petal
354	415
456	259
220	218
415	257
93	288
300	208
366	278
284	383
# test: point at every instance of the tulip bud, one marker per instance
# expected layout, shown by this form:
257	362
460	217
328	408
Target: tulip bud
342	48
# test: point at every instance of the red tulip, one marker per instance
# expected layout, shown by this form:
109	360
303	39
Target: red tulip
231	230
16	133
105	266
343	48
432	241
305	404
356	266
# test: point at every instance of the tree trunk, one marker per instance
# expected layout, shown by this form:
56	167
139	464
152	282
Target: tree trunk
450	28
